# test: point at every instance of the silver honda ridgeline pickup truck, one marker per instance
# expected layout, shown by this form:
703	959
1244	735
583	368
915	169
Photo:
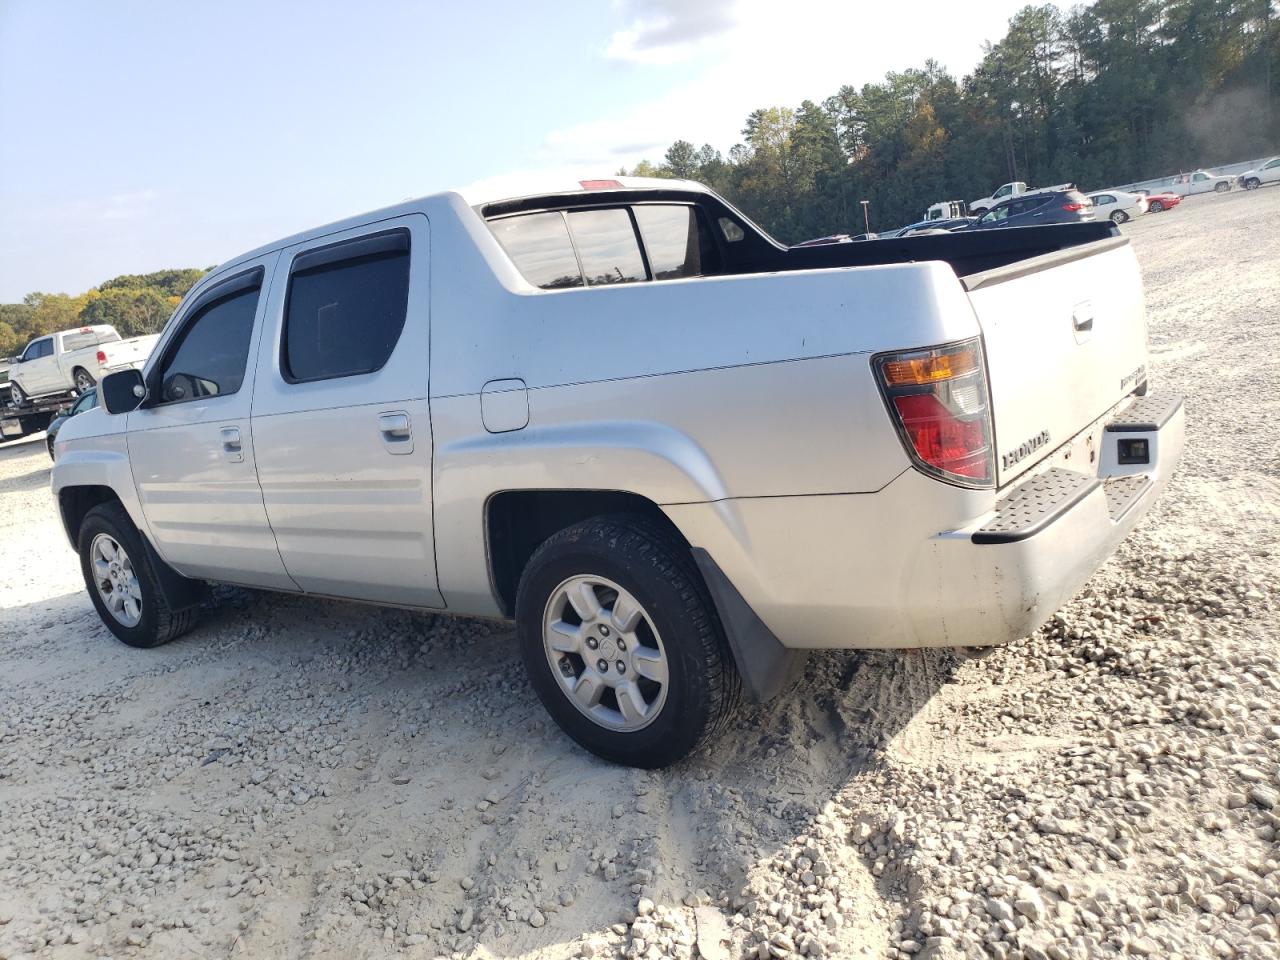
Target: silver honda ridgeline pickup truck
676	453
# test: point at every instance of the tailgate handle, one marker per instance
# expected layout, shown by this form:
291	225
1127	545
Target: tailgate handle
1082	317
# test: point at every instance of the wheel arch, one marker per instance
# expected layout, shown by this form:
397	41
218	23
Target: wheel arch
517	522
75	502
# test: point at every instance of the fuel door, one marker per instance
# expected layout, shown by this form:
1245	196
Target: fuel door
504	406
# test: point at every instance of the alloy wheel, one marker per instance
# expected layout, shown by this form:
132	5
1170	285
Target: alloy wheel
116	580
605	653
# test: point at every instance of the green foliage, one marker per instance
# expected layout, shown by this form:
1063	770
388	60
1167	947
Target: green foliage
1118	91
134	304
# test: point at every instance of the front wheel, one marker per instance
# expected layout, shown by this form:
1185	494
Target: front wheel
82	380
16	396
1156	206
1253	183
121	582
622	643
1119	217
1221	187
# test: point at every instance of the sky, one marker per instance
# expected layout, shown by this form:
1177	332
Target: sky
143	135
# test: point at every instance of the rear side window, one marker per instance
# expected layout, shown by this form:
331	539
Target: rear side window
607	246
345	307
539	246
212	348
677	242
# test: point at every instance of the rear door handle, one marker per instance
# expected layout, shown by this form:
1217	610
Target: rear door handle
231	448
397	431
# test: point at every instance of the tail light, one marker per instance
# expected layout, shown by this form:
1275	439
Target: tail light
102	356
939	403
1074	207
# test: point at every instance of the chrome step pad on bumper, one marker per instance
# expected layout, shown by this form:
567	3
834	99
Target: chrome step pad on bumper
1035	504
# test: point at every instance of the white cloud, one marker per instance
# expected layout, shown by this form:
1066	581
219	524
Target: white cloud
660	32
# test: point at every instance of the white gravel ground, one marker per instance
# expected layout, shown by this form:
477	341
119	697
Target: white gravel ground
301	778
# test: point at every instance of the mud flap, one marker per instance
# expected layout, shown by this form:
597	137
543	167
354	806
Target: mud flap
180	593
766	666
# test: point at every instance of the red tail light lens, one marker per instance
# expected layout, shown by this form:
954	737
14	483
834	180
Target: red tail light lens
938	401
1073	207
102	356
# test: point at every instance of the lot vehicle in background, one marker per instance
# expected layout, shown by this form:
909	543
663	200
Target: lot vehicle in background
1266	172
1159	201
1117	205
948	210
1200	181
68	360
500	407
34	416
1010	190
5	364
83	404
929	226
1038	209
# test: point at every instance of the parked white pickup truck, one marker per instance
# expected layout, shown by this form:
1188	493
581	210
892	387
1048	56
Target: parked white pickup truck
73	360
1200	181
675	452
1015	189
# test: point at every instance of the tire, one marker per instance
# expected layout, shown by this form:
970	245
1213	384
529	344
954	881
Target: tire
82	379
1156	206
675	634
48	442
1221	187
17	396
1253	183
1119	217
155	622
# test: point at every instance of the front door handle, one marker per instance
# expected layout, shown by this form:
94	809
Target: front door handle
231	448
397	431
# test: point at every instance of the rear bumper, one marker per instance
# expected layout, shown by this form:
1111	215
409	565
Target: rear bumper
895	569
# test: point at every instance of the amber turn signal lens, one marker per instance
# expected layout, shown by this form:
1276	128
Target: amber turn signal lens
919	371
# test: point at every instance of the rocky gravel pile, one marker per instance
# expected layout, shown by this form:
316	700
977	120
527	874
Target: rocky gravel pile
301	778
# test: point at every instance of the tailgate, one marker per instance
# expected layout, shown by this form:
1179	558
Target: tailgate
1066	339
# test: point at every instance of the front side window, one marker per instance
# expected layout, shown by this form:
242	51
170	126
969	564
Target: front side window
607	247
1272	165
1200	176
209	357
1004	191
999	213
38	349
539	245
343	317
87	402
676	241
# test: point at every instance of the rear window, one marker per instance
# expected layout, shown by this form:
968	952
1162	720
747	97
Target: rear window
676	241
607	246
539	245
79	339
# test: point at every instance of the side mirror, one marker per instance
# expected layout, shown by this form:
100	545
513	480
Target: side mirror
123	391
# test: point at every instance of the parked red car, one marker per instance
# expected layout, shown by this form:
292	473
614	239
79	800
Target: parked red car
1160	201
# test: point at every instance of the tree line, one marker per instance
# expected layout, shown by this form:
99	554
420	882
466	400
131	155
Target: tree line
1113	92
134	304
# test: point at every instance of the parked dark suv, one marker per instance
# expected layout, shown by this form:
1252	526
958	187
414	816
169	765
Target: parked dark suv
1037	209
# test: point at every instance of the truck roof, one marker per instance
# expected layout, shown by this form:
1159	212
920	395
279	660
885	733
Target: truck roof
480	194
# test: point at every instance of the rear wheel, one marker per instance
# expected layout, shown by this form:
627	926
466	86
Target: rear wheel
1221	187
622	643
82	379
121	582
1156	206
1119	216
1253	183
